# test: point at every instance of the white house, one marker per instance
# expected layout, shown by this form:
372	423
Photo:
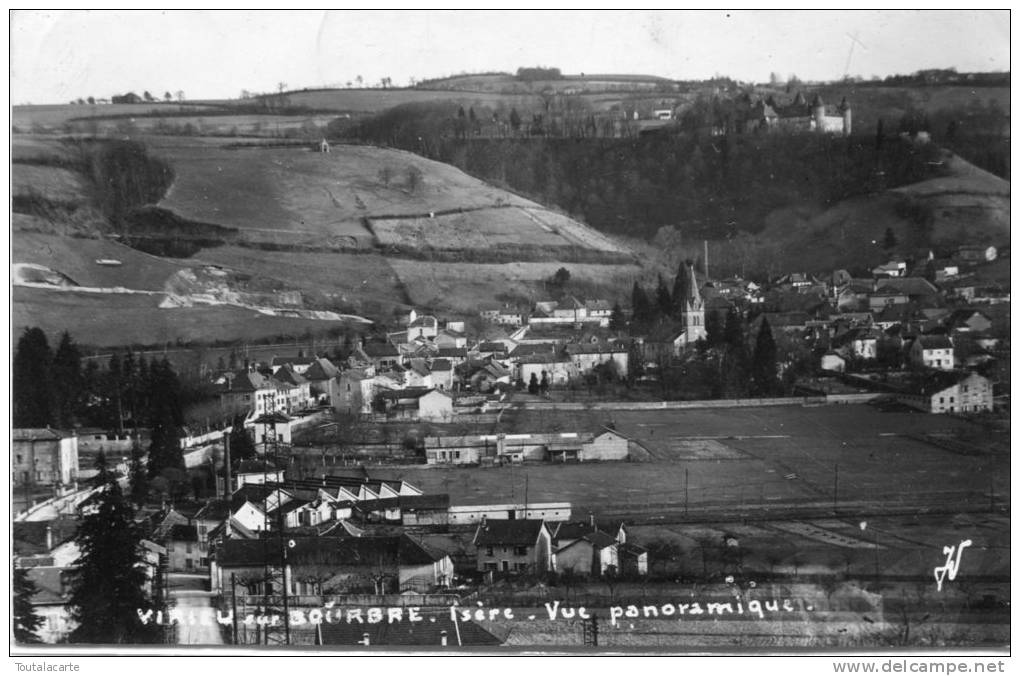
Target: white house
934	352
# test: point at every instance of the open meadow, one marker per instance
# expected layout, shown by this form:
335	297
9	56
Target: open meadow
107	320
462	286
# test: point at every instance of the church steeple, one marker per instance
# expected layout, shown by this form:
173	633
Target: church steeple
692	312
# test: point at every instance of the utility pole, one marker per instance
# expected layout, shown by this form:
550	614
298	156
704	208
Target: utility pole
233	604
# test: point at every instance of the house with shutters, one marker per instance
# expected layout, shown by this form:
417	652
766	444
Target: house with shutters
513	546
946	392
43	457
933	352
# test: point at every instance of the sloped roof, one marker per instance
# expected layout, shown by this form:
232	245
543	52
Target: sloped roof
910	286
287	375
295	361
322	369
248	381
518	532
934	342
441	365
214	510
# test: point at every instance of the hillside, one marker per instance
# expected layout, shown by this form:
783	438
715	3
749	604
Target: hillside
966	205
281	240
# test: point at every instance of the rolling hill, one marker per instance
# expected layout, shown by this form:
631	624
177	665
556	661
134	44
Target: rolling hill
288	240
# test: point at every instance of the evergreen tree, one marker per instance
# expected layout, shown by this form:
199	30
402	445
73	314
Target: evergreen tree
764	381
108	586
681	289
515	120
889	241
733	332
617	322
714	329
68	383
543	385
165	447
25	619
663	301
242	446
533	384
139	477
32	381
642	307
114	390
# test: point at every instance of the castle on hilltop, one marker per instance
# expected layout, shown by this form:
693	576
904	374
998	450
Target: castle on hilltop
768	114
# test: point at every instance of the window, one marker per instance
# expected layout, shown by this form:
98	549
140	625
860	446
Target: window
521	551
187	547
488	551
189	564
456	455
19	459
490	565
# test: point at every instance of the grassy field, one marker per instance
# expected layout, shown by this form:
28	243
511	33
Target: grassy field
105	320
968	205
308	194
77	258
53	117
471	230
462	286
354	277
52	183
772	455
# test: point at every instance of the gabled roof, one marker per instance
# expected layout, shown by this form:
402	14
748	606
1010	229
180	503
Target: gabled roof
249	381
288	376
934	342
449	352
214	510
515	532
322	369
441	365
406	393
910	286
294	361
50	584
598	304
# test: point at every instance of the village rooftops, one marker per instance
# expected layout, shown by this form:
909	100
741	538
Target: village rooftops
293	361
329	551
909	286
511	532
288	376
322	369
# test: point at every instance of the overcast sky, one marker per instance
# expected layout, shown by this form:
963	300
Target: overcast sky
60	55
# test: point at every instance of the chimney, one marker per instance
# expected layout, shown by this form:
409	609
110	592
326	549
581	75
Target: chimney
591	519
49	538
